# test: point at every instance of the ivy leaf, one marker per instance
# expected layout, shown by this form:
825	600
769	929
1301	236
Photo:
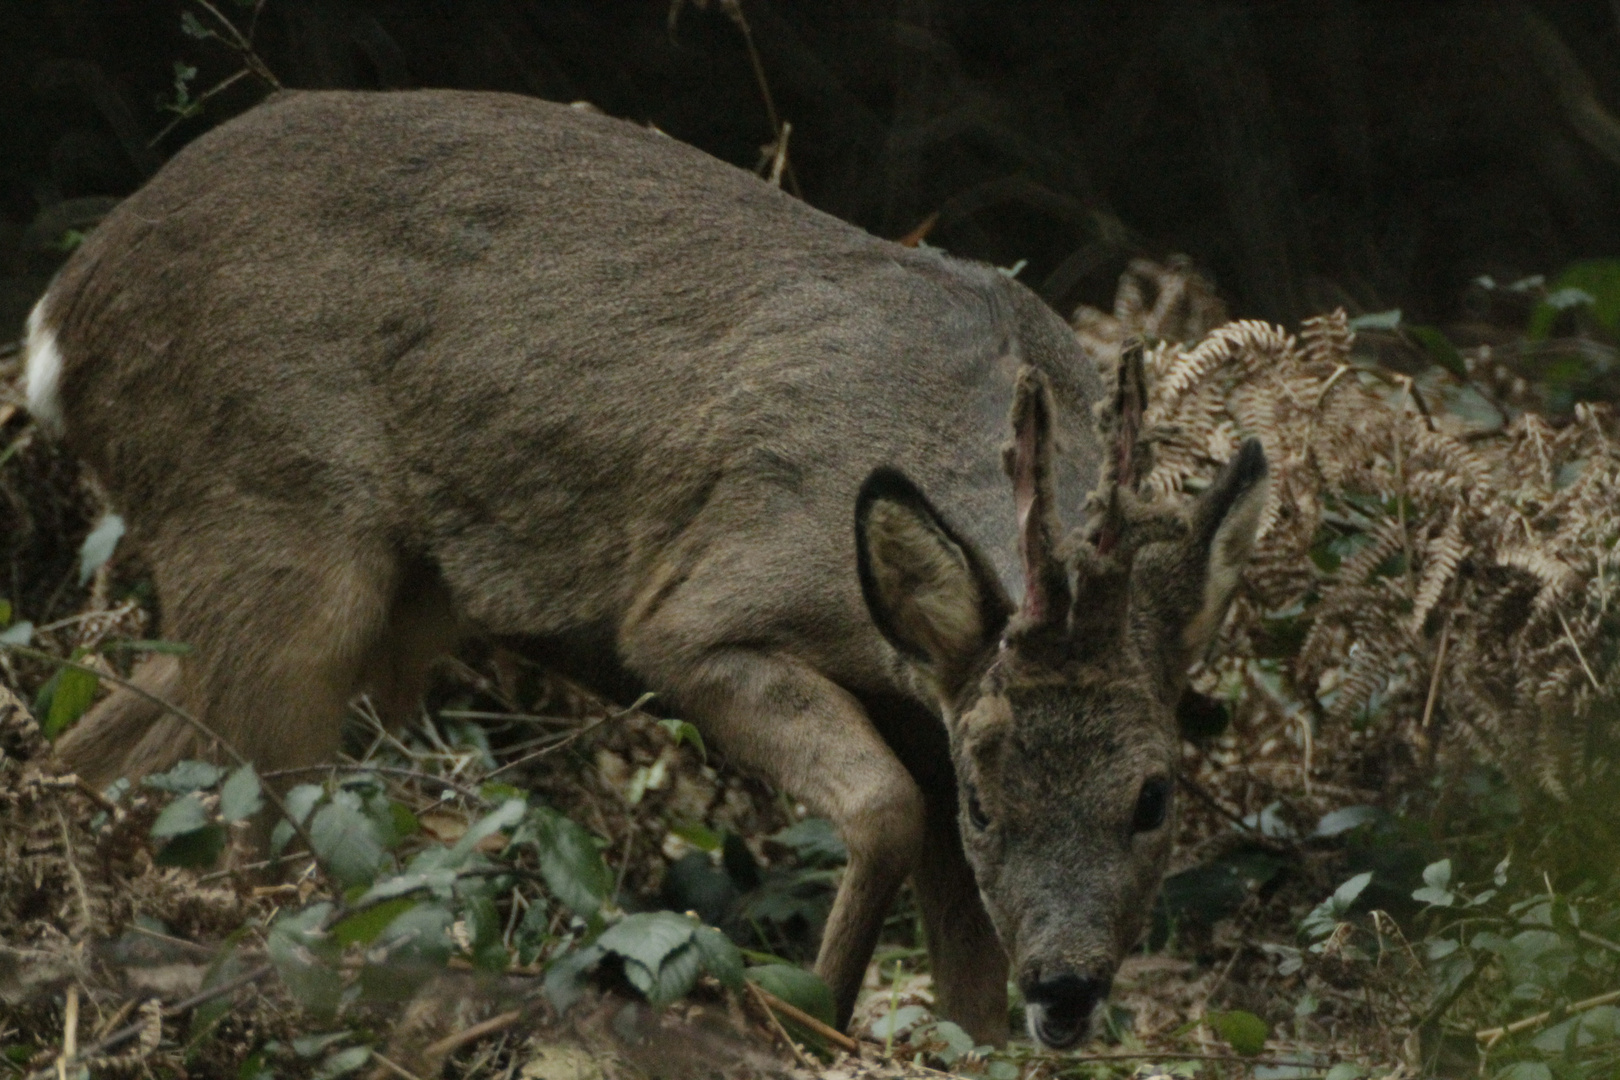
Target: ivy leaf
1243	1031
242	796
343	1062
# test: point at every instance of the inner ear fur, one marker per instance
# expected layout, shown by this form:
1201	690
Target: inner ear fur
1180	591
929	591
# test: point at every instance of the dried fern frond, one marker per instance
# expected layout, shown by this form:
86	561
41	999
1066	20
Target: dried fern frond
1387	530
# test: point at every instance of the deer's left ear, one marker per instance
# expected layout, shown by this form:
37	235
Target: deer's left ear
1180	592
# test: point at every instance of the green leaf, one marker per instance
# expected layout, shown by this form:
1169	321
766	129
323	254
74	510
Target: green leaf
186	776
198	848
21	634
304	958
1525	1070
1329	913
567	976
74	691
699	836
1436	890
683	732
675	976
346	840
894	1024
241	797
796	986
1439	349
343	1062
815	842
508	815
1346	1070
647	938
488	949
1243	1031
721	958
98	546
570	862
183	815
1377	320
363	926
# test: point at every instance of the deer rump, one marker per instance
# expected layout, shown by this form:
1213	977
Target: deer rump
367	373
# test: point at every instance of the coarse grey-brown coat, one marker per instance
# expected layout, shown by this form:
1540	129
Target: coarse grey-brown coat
371	373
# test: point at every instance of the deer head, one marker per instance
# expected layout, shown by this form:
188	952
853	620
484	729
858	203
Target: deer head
1060	711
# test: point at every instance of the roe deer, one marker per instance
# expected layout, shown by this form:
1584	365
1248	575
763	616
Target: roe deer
367	373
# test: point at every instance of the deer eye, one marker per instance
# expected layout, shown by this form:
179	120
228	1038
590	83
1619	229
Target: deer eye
976	815
1151	805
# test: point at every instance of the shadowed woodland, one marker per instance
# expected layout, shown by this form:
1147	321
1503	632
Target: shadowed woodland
1381	237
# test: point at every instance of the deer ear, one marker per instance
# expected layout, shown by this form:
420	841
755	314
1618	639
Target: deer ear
1180	591
929	592
1224	522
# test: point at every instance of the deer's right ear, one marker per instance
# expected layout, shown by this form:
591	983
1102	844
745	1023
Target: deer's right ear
928	591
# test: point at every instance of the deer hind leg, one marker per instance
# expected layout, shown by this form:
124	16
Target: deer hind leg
776	716
279	620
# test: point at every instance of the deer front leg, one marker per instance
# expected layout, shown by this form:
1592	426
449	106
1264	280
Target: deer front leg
779	717
969	964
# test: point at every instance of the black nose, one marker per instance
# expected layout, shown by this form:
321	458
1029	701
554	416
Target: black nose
1063	1007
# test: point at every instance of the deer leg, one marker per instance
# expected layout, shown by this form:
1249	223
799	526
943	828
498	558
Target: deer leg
278	627
98	745
779	717
969	964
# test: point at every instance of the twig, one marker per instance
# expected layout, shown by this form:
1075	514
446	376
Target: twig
776	1025
733	8
805	1020
70	1034
1434	678
1491	1036
544	750
124	1035
1578	654
386	770
451	1043
394	1067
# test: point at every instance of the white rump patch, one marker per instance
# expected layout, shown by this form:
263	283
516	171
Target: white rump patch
43	380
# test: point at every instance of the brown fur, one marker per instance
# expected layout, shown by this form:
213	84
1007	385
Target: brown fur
367	373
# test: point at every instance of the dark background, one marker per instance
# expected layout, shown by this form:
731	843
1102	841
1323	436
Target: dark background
1305	154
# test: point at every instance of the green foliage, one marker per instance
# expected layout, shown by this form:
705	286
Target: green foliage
1243	1031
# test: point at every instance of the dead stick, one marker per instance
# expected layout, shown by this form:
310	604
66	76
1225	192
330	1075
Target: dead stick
451	1043
119	1038
776	1025
1491	1036
805	1020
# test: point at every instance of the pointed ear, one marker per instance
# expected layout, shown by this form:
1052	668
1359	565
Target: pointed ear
1028	461
1180	590
929	592
1224	522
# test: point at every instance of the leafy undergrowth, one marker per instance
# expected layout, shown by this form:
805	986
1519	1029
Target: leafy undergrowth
531	882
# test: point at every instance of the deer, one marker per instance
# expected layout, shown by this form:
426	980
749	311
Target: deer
373	374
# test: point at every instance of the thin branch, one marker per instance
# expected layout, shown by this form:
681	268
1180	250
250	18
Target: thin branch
133	1031
455	1041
